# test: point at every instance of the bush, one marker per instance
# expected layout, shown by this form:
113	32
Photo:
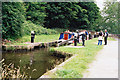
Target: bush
60	30
12	19
28	26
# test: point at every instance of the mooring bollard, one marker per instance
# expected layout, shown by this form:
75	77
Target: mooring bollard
32	36
75	41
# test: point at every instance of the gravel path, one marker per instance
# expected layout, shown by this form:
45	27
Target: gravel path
106	63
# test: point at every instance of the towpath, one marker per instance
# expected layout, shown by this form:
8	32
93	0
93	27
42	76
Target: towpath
106	63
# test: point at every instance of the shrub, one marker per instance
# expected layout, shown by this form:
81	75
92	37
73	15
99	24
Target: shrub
28	26
13	18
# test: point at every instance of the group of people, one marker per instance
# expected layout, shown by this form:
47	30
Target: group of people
101	35
85	35
82	36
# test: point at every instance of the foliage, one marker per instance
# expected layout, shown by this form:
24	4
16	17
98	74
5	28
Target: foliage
88	15
13	17
97	26
59	30
71	15
28	26
118	18
58	14
20	18
35	12
110	18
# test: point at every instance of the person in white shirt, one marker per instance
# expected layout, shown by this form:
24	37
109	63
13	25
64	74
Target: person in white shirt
100	38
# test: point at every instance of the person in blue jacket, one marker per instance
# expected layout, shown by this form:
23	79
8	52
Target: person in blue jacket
86	33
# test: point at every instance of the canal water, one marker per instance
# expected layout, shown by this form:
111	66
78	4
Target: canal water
34	63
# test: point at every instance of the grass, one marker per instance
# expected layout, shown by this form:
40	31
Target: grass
76	67
111	39
38	38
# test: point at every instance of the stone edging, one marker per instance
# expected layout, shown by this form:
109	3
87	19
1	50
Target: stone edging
32	46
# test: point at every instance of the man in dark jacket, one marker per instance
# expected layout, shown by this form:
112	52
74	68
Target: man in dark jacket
90	36
83	38
105	36
95	35
32	36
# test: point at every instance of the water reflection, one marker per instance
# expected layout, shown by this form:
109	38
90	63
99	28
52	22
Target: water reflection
34	63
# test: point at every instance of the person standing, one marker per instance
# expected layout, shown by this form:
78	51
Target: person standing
77	36
83	38
80	37
73	34
86	33
75	41
95	35
32	36
90	36
100	38
105	36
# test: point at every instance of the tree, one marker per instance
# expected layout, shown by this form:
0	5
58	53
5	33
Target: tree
110	12
93	13
59	14
35	12
71	15
13	17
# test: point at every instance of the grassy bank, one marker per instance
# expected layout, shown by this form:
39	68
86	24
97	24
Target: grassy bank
76	67
38	38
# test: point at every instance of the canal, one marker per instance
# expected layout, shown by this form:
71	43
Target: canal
33	63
